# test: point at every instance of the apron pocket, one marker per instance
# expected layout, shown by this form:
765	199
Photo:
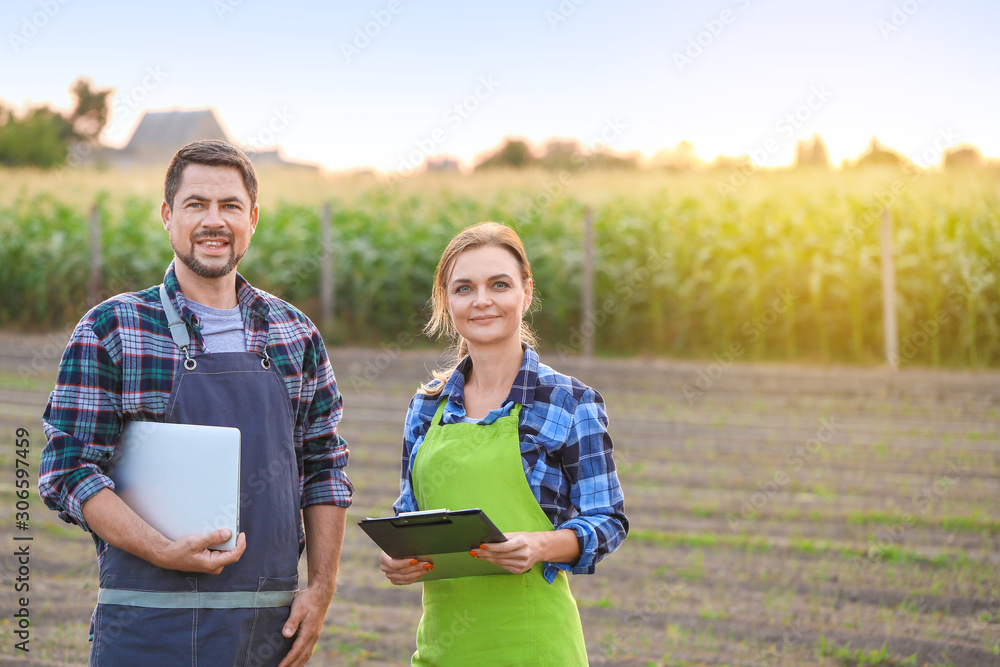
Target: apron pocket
126	635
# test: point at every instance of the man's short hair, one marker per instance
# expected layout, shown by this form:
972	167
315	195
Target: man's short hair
213	153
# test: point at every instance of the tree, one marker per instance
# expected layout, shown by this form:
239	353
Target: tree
812	153
514	153
963	157
91	112
878	155
562	154
41	136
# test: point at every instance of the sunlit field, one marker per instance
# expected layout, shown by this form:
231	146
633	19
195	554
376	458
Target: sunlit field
774	266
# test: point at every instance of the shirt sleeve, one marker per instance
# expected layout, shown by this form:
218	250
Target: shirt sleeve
82	421
324	453
412	430
595	492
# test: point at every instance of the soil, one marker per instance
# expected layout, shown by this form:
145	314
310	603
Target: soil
775	510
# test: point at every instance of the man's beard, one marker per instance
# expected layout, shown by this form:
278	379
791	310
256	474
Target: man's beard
204	270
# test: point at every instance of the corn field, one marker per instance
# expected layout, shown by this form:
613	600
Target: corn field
785	267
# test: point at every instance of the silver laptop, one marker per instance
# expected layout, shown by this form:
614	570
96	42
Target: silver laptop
180	478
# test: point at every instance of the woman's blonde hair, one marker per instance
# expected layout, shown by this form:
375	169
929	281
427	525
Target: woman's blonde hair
491	234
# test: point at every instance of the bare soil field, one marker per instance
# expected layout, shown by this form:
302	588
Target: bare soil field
780	515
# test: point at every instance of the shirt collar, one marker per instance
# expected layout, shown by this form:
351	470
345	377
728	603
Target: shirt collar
522	391
250	300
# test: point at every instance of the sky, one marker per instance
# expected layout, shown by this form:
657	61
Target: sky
385	83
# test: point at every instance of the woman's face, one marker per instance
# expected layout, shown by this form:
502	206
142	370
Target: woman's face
486	296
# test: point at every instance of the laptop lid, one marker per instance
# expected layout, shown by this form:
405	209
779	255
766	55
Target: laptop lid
180	478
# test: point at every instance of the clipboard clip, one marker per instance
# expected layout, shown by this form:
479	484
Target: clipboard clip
404	521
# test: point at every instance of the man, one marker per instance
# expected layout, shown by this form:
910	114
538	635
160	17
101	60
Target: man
235	357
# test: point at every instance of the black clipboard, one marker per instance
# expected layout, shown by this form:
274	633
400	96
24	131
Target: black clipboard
441	537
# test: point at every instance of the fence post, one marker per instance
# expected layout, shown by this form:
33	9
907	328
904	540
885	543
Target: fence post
94	284
326	288
889	293
587	323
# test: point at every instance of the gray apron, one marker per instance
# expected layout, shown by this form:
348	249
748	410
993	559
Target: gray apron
149	616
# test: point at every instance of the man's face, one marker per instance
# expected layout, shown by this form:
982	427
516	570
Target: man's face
211	220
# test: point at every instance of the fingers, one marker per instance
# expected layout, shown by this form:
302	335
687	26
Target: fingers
294	618
403	571
513	555
302	647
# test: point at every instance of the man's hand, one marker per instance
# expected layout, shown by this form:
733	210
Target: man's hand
108	516
191	553
324	526
305	623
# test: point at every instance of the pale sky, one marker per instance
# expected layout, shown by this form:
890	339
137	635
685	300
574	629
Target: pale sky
727	75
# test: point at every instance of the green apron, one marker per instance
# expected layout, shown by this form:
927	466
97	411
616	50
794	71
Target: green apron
504	619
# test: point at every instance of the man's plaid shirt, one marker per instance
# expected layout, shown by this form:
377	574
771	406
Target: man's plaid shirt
120	365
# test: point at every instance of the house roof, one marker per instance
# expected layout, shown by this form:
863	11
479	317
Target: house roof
166	131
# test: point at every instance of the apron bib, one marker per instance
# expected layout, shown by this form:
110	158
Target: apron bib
505	619
237	615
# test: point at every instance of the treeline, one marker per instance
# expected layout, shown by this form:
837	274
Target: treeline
43	137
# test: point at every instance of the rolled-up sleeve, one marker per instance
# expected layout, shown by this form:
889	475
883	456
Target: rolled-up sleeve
595	492
323	452
82	421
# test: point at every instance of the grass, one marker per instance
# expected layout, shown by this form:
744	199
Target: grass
760	544
862	658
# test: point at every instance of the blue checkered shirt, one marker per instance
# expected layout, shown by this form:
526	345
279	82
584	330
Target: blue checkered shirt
565	450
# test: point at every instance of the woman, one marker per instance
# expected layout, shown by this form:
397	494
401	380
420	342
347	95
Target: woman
507	434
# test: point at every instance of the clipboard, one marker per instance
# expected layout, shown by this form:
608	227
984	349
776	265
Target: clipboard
441	537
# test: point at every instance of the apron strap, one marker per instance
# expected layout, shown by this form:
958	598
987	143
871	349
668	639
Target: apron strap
195	599
178	329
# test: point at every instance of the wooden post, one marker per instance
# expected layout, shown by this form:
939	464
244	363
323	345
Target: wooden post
889	293
94	284
587	325
326	288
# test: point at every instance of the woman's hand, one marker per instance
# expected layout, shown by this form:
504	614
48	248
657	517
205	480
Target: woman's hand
522	550
403	571
517	554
